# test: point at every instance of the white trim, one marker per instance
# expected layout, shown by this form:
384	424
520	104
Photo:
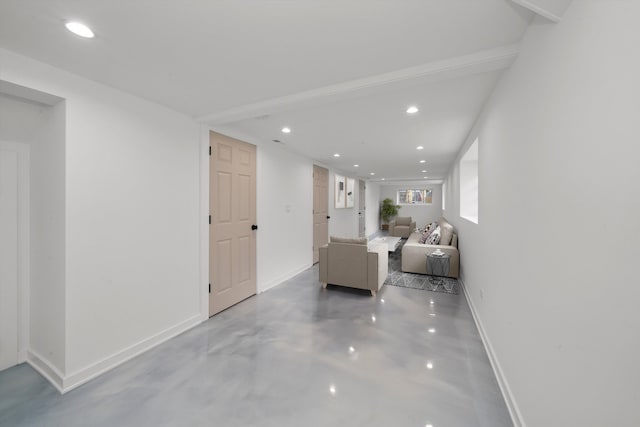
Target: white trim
67	383
485	60
283	278
539	10
204	222
46	369
512	406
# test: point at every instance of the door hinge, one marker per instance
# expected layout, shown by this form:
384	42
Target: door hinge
209	219
209	287
209	150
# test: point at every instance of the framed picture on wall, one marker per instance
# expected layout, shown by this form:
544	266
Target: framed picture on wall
351	192
340	191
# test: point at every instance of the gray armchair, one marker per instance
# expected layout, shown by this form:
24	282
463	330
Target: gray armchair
353	263
402	226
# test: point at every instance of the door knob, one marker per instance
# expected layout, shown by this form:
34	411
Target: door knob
328	217
254	227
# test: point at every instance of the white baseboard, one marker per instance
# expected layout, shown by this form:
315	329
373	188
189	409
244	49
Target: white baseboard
67	383
46	369
514	411
283	278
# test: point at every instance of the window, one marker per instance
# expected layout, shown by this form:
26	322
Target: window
469	183
422	196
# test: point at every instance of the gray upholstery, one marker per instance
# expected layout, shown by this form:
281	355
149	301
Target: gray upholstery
402	226
355	265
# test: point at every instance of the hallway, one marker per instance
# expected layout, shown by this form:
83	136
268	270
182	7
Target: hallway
296	355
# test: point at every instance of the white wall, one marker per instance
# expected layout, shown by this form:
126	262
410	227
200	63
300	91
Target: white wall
344	221
9	257
132	219
41	128
551	268
422	214
285	215
372	202
48	257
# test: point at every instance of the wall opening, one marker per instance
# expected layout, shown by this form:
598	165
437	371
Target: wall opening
469	184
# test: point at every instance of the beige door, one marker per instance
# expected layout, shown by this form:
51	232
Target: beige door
232	239
320	210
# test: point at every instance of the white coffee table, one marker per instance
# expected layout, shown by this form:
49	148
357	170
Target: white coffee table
391	242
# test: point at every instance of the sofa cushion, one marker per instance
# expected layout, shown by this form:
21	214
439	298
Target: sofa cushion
352	240
446	233
403	220
434	238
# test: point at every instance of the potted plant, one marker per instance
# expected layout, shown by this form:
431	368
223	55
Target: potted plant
388	211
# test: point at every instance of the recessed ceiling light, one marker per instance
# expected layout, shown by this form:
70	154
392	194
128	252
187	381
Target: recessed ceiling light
424	171
412	110
336	155
422	161
371	173
356	166
383	179
286	130
419	147
425	177
79	29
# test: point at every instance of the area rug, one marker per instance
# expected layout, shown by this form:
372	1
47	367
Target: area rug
397	277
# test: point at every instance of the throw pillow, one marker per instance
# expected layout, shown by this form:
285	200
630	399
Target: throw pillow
425	234
434	238
446	233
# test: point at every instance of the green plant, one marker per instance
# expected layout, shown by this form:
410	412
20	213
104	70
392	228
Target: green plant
388	210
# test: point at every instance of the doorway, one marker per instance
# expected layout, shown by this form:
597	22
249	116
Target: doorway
232	230
14	252
362	209
320	210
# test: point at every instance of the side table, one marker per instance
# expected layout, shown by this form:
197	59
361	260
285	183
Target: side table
438	265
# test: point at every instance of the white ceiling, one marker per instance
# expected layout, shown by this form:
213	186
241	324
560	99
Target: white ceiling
339	73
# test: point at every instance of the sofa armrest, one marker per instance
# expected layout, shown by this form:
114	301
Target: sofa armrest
413	226
377	266
323	265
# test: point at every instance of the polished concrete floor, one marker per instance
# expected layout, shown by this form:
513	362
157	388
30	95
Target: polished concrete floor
296	355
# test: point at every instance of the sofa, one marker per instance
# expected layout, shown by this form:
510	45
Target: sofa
402	226
414	253
354	263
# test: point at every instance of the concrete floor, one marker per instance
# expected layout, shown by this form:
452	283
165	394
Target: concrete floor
296	355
